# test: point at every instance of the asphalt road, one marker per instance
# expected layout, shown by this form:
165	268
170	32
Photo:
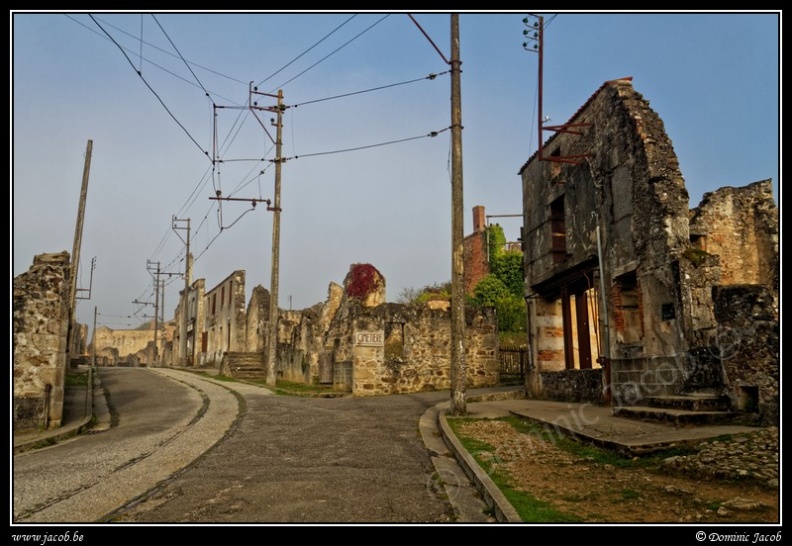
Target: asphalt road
308	460
163	423
186	449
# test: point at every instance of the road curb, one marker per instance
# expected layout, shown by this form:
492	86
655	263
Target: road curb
502	509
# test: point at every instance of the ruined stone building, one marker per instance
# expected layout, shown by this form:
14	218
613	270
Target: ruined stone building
132	347
225	319
360	344
195	342
630	294
40	328
353	341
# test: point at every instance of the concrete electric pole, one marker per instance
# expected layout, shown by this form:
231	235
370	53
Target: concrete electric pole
272	345
75	258
183	360
458	356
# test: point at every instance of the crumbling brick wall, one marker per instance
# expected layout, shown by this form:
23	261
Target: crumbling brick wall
40	328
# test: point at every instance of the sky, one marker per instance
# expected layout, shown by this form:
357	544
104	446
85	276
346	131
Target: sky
163	98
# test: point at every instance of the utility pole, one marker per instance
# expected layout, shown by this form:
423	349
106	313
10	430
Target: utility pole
75	258
185	295
93	343
272	345
272	331
458	356
149	265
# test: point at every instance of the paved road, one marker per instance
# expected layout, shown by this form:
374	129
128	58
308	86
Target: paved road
191	450
300	460
163	423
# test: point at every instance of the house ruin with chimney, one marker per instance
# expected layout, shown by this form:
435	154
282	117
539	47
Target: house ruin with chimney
634	299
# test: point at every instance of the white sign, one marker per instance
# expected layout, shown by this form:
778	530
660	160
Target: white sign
369	339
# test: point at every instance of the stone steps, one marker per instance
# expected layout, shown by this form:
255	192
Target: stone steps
676	417
682	410
692	402
244	365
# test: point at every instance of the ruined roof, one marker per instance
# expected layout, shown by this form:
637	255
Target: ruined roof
620	81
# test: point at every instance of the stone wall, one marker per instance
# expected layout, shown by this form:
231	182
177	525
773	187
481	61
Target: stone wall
40	328
367	347
740	225
397	348
116	346
749	349
257	320
573	386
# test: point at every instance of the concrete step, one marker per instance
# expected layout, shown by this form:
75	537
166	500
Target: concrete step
675	417
248	372
691	402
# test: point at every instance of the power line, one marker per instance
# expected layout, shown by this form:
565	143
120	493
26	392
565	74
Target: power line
306	51
153	46
332	53
429	77
185	80
181	57
430	135
151	88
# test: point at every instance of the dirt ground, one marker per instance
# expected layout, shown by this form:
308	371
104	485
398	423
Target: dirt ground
598	492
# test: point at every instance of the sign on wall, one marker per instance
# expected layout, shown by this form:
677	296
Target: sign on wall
365	338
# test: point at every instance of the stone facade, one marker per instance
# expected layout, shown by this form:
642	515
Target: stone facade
225	319
740	226
257	320
125	347
196	304
366	347
607	207
40	327
748	347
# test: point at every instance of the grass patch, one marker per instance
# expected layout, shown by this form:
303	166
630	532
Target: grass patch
592	453
630	494
44	443
294	388
76	379
529	508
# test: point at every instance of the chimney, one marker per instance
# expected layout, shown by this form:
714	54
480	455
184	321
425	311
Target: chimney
479	219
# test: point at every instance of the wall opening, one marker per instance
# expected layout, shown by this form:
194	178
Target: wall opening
394	341
558	246
627	308
748	398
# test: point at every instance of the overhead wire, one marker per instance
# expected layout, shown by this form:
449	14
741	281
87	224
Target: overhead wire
306	51
233	133
166	52
429	135
429	77
151	88
332	53
181	56
185	80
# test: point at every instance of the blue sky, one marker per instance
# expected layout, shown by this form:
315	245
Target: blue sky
712	77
